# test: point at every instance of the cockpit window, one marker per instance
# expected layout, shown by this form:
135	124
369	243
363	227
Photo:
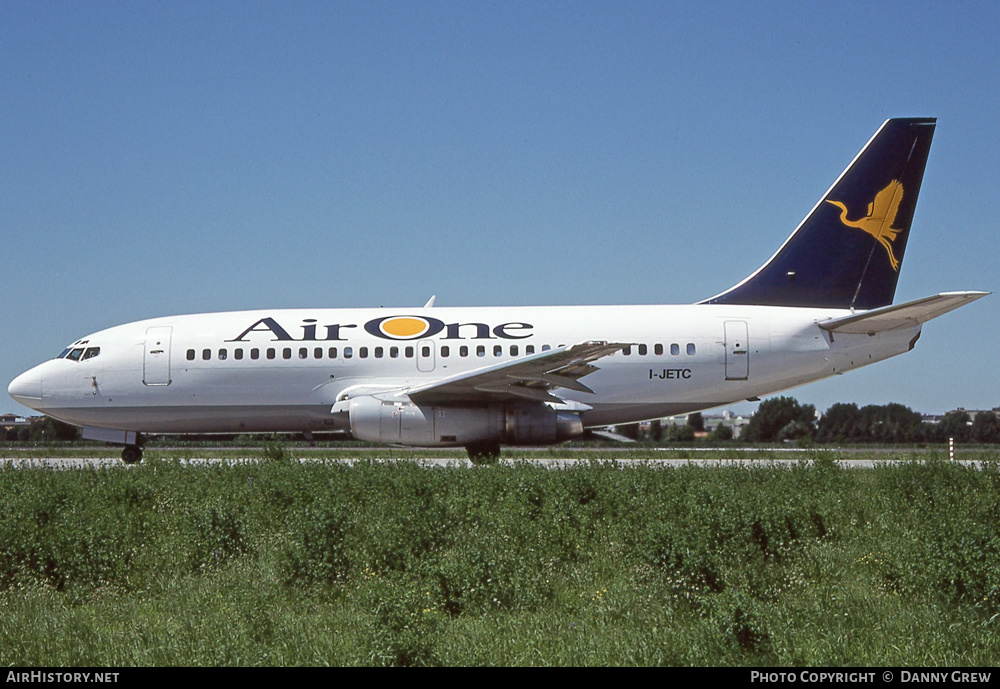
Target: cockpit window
79	353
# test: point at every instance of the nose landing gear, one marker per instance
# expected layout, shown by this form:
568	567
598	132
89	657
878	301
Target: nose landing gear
132	441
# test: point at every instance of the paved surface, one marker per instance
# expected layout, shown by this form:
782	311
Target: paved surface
91	462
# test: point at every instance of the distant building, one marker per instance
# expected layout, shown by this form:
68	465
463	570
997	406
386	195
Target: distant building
726	418
973	413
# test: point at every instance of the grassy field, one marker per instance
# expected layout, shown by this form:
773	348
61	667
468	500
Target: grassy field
282	563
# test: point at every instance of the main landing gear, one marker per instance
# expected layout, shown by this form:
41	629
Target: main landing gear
483	453
132	454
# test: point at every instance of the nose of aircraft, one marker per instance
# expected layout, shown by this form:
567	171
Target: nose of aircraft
27	387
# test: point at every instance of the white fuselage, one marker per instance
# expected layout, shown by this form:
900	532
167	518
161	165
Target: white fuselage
283	370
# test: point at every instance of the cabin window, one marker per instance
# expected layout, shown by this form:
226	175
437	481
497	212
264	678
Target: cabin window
690	348
332	352
378	352
270	352
445	351
480	350
627	351
303	352
546	348
675	349
238	353
529	349
363	352
497	350
393	352
408	352
223	355
348	352
658	349
317	353
642	350
425	351
463	350
513	350
254	353
190	355
286	353
206	354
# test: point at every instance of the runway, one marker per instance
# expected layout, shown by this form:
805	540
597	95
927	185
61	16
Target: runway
444	462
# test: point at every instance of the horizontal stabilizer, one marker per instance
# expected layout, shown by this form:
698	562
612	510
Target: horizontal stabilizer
617	437
902	315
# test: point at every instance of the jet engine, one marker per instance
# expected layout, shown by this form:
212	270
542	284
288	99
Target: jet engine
402	422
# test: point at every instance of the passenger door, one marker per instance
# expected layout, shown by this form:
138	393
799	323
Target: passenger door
156	358
737	351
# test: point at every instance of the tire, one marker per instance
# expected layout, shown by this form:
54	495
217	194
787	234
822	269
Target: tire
484	453
131	454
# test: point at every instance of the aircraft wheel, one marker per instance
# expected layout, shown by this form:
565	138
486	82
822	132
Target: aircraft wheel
483	453
131	454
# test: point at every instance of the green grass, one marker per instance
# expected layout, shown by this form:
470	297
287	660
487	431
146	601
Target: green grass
282	563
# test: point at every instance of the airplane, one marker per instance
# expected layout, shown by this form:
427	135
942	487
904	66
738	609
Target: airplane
487	377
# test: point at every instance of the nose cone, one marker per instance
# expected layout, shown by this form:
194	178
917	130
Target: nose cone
27	388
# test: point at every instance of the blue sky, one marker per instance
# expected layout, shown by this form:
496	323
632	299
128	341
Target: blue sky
171	157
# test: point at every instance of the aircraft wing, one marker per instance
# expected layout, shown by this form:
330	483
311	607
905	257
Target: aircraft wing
531	377
906	315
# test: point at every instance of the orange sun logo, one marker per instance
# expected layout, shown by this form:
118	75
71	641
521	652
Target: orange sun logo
404	327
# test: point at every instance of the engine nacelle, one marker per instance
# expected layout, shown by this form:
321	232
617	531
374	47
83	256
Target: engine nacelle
401	422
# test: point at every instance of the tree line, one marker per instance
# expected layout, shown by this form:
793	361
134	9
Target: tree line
40	430
783	418
777	419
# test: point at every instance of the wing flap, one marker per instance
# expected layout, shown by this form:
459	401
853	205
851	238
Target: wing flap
550	379
908	315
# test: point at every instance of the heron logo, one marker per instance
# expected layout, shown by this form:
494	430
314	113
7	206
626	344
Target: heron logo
881	215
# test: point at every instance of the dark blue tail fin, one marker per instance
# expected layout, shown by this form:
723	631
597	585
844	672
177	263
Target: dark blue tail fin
847	251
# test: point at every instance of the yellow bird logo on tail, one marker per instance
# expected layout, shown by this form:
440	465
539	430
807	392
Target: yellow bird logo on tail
881	216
